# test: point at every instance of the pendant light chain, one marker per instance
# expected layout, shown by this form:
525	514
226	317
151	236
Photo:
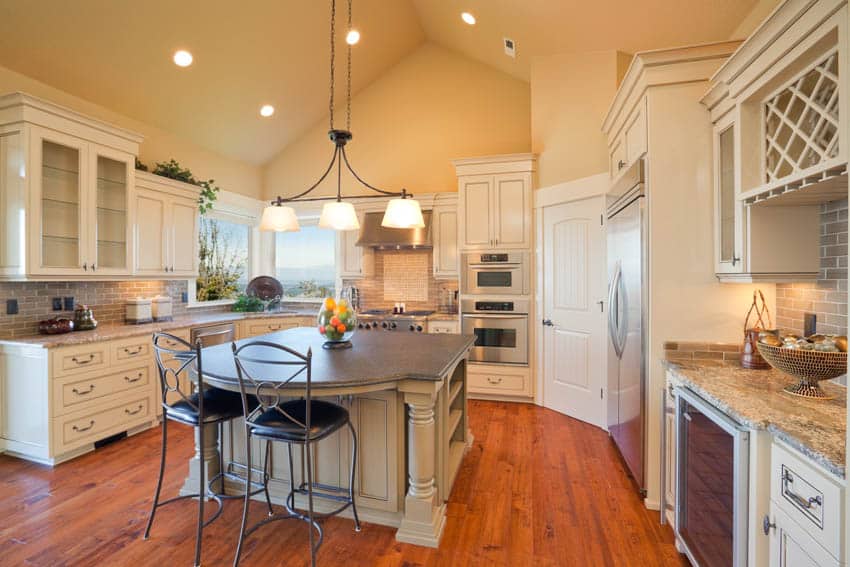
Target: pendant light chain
333	62
348	77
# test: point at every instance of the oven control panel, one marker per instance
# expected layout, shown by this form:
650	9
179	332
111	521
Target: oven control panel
493	258
494	305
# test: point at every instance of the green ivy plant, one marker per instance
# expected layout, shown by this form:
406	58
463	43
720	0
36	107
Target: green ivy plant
209	190
140	166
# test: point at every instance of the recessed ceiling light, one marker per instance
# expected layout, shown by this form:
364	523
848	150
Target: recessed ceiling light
352	37
266	110
182	58
468	18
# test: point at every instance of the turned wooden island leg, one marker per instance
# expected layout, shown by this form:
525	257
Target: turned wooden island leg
206	451
424	512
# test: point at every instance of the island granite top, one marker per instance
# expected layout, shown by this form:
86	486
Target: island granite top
375	358
754	398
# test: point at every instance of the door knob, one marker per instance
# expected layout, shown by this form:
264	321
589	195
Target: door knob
766	525
548	323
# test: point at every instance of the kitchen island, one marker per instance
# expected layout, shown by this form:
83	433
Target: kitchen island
407	399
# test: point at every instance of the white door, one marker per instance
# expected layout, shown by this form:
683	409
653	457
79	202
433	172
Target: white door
574	362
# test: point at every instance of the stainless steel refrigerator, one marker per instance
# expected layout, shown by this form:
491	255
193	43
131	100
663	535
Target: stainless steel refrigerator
627	285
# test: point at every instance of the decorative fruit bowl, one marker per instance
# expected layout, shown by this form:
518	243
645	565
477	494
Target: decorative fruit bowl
336	323
808	366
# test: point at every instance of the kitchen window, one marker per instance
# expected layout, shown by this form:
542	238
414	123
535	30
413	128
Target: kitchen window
305	262
224	260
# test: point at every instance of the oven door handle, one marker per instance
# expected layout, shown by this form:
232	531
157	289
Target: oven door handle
492	316
499	267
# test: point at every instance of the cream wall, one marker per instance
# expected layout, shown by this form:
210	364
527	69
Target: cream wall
570	95
158	145
433	106
756	16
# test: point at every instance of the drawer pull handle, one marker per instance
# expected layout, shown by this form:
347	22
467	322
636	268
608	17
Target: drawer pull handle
81	429
134	412
83	392
493	380
134	352
76	360
133	380
805	503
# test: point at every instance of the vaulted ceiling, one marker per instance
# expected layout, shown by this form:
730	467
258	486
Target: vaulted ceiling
118	54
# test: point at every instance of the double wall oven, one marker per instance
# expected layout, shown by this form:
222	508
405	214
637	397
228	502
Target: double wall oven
500	327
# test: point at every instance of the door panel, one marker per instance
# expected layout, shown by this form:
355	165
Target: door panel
574	280
112	229
477	205
511	218
150	232
184	214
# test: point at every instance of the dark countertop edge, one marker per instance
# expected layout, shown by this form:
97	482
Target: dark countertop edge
790	439
470	340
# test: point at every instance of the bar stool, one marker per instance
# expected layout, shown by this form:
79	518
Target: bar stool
264	369
214	407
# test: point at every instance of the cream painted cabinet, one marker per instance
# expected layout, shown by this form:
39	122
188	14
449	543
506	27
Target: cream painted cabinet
66	192
494	201
791	546
353	261
780	148
166	230
444	232
630	143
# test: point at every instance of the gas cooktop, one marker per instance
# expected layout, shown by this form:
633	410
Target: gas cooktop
385	319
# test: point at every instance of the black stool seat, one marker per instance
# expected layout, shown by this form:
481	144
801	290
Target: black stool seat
219	405
325	418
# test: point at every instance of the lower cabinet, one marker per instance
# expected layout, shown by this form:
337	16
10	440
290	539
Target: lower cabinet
58	402
256	327
379	484
444	327
792	546
498	381
670	460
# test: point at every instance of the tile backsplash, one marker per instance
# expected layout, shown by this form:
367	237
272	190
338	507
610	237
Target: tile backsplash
827	297
402	276
105	298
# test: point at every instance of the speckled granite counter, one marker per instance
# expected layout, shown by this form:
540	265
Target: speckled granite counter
110	332
754	398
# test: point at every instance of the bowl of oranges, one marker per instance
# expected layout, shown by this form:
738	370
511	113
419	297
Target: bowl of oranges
336	323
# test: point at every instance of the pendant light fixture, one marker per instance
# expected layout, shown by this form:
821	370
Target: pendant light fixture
402	212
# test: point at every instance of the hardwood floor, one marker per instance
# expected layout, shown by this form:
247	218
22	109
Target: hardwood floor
537	488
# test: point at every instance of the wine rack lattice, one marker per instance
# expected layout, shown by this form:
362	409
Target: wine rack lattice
801	121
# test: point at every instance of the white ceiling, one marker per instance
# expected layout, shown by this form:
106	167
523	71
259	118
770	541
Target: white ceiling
118	53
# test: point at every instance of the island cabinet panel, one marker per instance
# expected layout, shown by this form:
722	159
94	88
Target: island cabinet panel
792	546
256	327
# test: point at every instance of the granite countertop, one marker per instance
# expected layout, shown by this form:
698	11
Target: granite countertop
374	358
754	398
122	331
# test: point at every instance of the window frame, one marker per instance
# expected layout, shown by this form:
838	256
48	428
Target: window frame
235	216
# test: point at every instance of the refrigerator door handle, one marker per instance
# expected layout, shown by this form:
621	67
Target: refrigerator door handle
623	322
613	301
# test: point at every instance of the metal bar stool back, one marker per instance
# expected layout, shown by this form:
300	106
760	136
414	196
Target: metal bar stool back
267	371
179	364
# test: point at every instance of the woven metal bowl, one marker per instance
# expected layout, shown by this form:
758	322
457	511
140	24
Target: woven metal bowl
808	366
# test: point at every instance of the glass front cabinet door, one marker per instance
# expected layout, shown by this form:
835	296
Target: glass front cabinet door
80	202
728	212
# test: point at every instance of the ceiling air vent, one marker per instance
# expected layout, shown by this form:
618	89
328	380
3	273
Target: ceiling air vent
510	47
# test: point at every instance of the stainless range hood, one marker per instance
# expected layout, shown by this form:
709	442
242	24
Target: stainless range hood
373	235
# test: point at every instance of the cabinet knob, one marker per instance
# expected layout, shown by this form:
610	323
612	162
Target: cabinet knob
621	164
735	259
85	266
767	525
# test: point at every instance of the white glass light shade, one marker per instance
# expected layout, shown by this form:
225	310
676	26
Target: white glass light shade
339	216
403	213
279	219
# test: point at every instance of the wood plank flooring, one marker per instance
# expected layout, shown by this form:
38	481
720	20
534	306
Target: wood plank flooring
537	488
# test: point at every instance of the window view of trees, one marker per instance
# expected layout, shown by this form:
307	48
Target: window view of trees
223	260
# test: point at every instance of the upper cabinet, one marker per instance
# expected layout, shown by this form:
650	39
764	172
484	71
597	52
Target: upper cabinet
167	232
494	201
629	144
66	192
353	262
779	109
444	233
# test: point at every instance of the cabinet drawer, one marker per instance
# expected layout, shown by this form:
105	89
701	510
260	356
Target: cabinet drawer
252	329
131	349
809	497
71	394
493	383
87	427
68	361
